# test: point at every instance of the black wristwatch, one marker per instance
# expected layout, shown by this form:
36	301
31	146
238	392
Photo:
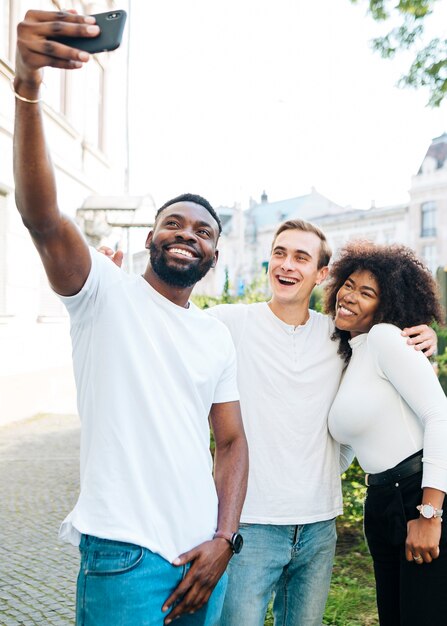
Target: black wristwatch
234	539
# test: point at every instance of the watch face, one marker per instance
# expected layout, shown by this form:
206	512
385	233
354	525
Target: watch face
237	542
428	511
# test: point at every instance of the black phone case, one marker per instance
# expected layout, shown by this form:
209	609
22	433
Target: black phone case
112	26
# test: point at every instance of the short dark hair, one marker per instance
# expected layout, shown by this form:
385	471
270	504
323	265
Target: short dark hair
192	197
307	227
408	291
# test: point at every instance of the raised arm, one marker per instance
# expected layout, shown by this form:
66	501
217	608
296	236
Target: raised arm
60	244
210	559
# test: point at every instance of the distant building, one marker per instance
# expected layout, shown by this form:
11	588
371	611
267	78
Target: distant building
421	223
84	120
428	206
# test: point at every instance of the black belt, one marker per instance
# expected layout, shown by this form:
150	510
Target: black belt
407	468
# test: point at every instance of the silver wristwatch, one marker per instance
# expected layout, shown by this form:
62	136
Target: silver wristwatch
428	511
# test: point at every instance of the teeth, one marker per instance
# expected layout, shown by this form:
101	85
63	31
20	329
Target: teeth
292	281
345	311
181	251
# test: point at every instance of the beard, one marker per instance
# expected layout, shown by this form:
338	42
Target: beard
177	276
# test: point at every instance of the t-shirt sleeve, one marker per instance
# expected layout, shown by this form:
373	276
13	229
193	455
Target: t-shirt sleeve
233	316
412	375
226	388
103	272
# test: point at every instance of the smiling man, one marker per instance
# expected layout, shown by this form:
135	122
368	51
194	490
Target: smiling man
288	375
155	531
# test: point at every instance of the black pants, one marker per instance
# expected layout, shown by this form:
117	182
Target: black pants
407	594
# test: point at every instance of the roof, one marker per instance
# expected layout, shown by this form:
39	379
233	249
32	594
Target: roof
438	151
305	207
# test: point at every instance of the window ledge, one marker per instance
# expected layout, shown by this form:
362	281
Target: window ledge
51	319
5	319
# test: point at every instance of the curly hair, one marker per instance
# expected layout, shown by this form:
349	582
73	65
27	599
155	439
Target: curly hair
408	291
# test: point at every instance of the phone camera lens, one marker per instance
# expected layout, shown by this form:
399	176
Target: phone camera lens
113	16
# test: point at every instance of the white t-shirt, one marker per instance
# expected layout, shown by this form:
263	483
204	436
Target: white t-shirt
390	405
147	372
288	377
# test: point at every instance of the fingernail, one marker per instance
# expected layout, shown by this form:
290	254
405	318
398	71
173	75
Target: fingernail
168	621
176	562
76	64
93	30
89	19
84	56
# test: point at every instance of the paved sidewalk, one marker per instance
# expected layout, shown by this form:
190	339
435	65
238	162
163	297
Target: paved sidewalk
39	482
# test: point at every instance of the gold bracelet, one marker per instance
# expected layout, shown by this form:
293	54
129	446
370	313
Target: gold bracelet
22	98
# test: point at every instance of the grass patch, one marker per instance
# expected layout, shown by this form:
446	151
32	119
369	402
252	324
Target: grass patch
352	600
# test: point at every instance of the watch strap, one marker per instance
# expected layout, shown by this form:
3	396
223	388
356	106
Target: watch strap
220	534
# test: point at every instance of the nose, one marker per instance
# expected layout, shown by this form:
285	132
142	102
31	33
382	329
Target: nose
287	264
351	296
186	234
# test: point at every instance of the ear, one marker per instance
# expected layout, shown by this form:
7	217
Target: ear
149	239
216	256
322	275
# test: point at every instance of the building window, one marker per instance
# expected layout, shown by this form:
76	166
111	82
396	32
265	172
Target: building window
6	20
3	251
94	104
49	305
428	219
430	258
53	94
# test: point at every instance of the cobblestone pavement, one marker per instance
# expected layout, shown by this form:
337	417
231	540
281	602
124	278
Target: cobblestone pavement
39	482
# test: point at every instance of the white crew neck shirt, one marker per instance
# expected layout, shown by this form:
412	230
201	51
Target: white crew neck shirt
287	377
147	372
390	405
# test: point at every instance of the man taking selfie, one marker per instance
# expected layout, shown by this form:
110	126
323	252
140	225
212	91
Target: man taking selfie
155	531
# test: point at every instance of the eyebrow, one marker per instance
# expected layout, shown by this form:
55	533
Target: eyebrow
282	249
180	217
363	286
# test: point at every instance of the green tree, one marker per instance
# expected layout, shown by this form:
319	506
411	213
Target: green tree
429	67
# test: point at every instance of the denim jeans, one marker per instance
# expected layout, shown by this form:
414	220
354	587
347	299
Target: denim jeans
292	562
121	584
407	594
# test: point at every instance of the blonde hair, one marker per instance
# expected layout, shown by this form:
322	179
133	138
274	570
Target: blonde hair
325	250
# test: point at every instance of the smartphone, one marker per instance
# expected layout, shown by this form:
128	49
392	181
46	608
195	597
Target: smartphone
111	26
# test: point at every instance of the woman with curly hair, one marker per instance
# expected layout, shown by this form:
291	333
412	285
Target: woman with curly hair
390	408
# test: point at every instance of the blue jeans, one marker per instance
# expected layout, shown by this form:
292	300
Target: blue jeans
293	563
121	584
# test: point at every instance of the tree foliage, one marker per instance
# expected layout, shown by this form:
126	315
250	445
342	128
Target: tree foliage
429	67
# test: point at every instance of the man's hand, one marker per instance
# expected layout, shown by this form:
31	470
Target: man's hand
116	257
208	562
35	49
422	338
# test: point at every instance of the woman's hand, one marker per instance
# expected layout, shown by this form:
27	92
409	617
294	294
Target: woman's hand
422	544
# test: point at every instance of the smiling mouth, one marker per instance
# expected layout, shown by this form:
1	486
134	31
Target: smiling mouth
344	311
286	280
182	252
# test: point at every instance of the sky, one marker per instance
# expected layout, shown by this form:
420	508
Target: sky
232	98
